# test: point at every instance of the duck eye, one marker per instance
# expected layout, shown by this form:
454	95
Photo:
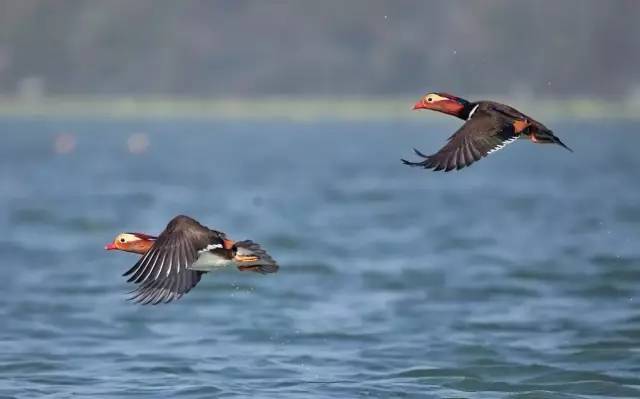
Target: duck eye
429	99
122	240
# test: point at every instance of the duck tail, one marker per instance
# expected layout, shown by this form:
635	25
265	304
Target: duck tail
547	136
561	144
249	256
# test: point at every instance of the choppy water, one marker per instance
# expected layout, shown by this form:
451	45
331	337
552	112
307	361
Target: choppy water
516	278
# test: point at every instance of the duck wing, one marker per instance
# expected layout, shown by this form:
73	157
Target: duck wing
163	272
481	135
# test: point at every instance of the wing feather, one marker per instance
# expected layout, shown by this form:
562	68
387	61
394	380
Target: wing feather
162	272
481	135
462	160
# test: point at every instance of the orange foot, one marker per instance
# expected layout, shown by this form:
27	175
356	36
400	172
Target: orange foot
246	258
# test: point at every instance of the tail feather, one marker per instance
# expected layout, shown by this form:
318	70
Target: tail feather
547	136
251	257
561	144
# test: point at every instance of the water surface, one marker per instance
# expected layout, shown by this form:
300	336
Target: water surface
516	278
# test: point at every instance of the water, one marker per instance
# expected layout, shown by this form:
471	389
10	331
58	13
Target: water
516	278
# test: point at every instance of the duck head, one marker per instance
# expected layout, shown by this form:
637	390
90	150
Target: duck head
445	103
137	243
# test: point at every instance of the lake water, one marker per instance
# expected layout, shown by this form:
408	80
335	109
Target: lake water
516	278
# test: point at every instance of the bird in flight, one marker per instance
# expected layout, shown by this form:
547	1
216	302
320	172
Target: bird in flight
172	263
489	127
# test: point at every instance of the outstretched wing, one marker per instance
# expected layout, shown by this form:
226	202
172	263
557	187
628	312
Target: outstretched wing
478	137
166	290
163	272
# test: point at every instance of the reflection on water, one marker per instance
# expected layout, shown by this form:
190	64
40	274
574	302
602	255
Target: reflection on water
515	278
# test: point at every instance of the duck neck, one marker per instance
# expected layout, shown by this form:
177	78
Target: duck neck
139	247
467	110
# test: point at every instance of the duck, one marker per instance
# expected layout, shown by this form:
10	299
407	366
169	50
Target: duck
489	127
172	263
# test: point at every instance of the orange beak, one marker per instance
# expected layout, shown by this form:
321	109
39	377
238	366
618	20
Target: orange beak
420	105
110	246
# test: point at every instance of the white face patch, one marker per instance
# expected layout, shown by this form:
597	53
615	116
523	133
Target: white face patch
472	111
126	237
434	98
504	144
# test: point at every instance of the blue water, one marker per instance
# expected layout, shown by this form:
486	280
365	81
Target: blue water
516	278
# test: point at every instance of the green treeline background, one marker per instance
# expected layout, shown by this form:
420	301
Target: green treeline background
240	48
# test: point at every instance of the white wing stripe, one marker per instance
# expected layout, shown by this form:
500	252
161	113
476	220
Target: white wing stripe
141	263
504	144
160	266
145	265
209	248
151	265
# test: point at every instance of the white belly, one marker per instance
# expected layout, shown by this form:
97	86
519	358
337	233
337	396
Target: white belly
208	261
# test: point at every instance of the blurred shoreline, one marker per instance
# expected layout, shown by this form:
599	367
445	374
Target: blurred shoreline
289	108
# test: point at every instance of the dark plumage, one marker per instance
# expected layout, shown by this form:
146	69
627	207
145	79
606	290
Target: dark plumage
489	127
174	262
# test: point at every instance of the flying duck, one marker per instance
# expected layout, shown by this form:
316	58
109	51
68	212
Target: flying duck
173	262
490	126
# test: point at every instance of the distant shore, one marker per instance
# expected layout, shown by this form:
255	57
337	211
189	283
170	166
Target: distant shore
285	108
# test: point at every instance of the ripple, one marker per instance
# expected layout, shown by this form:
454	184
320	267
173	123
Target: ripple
393	282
